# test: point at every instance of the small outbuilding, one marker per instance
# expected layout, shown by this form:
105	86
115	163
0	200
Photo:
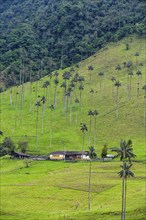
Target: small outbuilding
20	155
69	155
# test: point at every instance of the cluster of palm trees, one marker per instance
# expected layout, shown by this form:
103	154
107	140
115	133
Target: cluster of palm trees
125	152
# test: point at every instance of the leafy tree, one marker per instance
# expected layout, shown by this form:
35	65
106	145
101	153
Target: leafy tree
104	152
92	155
7	146
23	145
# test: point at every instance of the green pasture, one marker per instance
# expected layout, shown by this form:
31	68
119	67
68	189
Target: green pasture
59	190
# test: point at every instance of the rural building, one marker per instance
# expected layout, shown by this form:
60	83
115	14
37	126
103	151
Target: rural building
69	155
20	155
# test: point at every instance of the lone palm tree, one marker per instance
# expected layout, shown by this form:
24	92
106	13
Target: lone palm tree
51	110
144	87
136	55
43	100
138	73
95	113
56	81
91	114
130	74
125	151
100	74
90	69
83	129
124	173
77	102
118	67
117	84
113	79
92	155
91	96
81	88
38	103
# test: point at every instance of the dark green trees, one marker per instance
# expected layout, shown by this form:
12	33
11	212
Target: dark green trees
104	152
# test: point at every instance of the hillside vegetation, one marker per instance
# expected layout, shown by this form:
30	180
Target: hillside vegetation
73	92
47	35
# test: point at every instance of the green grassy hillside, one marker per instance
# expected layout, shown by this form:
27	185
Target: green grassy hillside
19	112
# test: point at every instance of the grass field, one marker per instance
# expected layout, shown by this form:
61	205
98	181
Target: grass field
59	190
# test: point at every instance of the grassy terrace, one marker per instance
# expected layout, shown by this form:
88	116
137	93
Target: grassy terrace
59	190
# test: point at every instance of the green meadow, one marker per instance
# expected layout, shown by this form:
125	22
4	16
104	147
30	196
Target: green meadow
59	190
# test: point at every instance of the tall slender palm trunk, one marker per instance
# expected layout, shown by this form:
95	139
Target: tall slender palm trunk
89	187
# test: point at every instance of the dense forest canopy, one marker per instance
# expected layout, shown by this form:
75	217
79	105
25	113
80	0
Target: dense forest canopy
38	36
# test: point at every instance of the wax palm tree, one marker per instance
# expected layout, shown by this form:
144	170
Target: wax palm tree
83	129
100	74
77	102
124	173
43	101
113	79
117	84
136	55
92	155
38	104
91	96
51	118
144	88
95	113
130	74
138	73
81	88
90	69
56	81
118	67
45	86
64	86
91	114
125	152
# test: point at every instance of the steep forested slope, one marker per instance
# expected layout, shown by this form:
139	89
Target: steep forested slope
44	35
